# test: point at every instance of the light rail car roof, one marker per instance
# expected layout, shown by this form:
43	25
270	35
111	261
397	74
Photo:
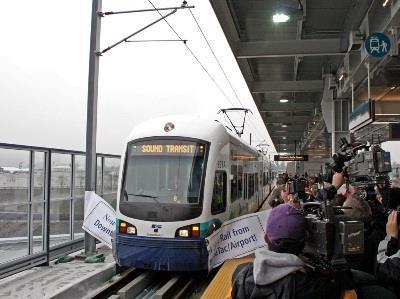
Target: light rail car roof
183	126
188	126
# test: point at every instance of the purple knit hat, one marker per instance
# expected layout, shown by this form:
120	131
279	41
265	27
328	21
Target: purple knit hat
286	222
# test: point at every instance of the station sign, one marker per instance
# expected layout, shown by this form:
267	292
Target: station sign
363	115
167	148
290	157
377	44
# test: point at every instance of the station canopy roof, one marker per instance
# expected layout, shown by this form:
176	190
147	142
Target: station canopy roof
284	63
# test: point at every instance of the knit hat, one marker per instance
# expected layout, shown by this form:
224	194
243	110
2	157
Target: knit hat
286	222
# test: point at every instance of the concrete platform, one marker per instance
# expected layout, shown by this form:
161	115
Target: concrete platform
65	280
75	279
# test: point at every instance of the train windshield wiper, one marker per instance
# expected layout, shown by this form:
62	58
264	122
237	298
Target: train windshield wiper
126	194
148	196
142	195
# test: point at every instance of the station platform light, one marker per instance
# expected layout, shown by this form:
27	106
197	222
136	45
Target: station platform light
280	18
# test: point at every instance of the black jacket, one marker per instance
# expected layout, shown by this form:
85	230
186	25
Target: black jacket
299	285
374	233
388	264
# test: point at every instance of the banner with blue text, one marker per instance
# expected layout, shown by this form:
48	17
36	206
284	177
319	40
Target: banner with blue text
99	218
237	237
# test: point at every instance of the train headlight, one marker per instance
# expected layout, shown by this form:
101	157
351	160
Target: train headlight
195	231
122	227
131	230
127	228
183	233
190	231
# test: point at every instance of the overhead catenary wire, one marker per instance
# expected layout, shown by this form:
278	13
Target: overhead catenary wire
212	51
220	66
194	56
203	67
155	40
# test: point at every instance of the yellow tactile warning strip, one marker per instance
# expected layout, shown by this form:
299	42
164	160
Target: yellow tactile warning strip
221	285
350	294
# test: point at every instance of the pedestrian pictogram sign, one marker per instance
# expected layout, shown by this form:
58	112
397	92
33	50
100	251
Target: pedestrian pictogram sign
377	45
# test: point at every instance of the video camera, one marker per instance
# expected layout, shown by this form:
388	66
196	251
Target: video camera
367	165
296	186
332	237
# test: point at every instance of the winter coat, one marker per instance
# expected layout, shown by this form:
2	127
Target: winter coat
280	275
388	263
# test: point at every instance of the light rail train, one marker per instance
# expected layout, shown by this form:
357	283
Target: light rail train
180	178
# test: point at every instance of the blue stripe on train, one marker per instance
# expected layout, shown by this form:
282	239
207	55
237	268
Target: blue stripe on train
161	253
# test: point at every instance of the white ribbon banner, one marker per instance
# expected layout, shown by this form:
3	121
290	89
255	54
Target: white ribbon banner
99	218
237	237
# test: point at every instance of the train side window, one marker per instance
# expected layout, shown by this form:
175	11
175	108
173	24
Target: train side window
245	186
256	183
234	183
265	178
250	185
240	182
218	204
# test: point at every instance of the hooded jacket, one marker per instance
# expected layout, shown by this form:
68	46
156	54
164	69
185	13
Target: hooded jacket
279	275
270	266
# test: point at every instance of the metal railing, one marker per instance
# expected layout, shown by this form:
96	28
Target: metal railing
396	172
42	202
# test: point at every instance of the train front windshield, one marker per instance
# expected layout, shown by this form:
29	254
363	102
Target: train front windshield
163	180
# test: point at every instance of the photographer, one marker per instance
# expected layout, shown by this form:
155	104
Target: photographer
388	257
276	198
373	217
361	211
278	272
290	197
330	190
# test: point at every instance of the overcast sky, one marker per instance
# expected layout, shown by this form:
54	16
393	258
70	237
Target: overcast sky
44	70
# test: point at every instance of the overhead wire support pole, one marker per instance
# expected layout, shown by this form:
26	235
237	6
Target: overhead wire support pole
157	40
109	13
93	79
140	30
238	129
91	127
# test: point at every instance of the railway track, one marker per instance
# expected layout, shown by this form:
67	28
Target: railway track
146	284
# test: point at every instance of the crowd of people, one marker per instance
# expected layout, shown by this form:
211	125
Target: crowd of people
281	271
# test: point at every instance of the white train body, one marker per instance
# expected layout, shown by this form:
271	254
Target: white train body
180	178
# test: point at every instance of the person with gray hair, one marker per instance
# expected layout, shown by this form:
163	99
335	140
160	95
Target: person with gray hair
276	198
359	209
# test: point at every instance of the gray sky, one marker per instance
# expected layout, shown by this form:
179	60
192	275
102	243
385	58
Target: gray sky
44	69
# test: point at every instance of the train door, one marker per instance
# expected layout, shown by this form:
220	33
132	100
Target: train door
235	191
236	186
245	186
218	203
257	190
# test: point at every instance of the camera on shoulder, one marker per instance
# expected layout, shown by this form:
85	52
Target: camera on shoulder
297	187
332	237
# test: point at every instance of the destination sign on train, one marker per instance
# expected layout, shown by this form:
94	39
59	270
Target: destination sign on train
290	157
172	149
